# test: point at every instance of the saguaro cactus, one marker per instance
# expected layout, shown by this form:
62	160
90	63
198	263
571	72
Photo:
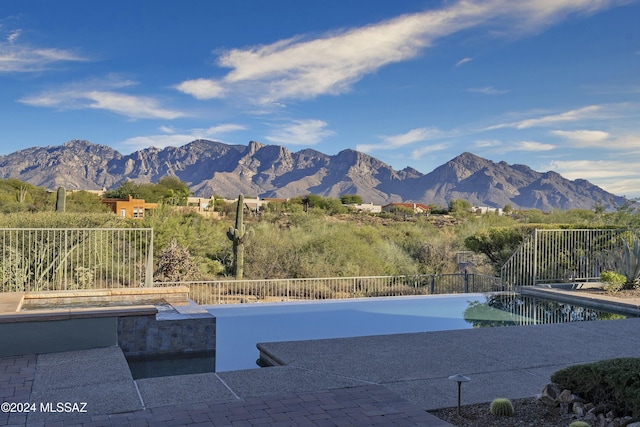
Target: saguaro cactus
61	199
238	236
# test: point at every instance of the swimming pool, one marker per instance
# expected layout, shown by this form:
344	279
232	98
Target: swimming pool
239	327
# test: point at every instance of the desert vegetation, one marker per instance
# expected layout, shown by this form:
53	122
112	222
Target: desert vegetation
612	385
308	236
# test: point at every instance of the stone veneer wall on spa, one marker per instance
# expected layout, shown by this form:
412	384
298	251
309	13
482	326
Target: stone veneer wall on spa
167	332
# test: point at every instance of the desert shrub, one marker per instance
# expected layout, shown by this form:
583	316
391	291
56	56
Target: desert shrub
83	201
613	282
324	249
613	385
61	220
175	263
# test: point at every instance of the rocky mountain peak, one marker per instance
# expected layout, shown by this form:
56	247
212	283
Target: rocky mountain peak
211	167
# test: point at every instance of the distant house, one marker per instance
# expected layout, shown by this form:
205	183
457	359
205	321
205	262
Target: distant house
129	207
275	199
200	204
417	208
365	207
256	205
483	210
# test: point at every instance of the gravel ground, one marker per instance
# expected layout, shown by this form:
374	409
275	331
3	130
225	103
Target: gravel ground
527	413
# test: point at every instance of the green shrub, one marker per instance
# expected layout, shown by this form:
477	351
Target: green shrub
611	384
502	407
579	424
613	282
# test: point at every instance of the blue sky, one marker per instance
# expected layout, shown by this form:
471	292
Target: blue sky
553	84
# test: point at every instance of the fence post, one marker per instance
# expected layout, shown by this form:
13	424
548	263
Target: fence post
466	282
432	289
149	273
535	257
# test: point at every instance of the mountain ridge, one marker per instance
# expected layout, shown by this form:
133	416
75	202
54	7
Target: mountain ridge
256	169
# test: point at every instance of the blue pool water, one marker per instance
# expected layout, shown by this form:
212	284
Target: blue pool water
239	327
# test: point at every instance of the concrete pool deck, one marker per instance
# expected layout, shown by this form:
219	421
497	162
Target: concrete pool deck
384	380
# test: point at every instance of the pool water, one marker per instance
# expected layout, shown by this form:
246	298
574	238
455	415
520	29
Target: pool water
171	364
239	327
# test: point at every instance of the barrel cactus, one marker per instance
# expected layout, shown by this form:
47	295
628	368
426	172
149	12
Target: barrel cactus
238	236
579	424
502	407
61	198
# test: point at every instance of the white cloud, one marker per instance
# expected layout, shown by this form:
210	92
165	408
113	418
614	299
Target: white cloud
533	146
391	142
487	143
618	177
175	138
138	107
463	61
575	169
99	94
201	88
488	90
299	68
601	139
18	57
547	120
12	37
223	129
300	132
167	129
431	148
587	137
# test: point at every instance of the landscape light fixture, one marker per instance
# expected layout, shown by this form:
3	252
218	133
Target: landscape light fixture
459	379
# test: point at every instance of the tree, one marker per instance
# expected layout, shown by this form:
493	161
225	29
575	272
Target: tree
351	199
598	207
313	201
169	190
176	192
83	201
498	244
124	190
459	207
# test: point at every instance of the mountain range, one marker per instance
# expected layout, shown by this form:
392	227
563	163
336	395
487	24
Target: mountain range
211	167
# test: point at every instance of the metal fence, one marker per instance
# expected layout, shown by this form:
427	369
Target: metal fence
42	259
557	256
271	290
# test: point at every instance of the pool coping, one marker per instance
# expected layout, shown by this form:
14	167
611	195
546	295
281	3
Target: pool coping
12	303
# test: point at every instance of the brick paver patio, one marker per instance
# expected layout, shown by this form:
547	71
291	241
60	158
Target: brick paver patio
367	405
